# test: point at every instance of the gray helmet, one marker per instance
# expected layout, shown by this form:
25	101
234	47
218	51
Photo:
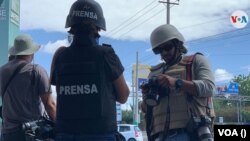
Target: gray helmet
86	11
164	33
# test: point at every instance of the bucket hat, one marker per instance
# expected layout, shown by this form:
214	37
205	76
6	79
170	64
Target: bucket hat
23	45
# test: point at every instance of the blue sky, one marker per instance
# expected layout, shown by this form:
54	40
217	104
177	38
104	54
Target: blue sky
205	25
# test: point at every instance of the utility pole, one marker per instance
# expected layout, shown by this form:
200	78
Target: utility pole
136	111
133	95
168	3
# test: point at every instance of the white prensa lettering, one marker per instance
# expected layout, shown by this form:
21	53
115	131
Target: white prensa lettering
73	89
94	89
87	90
61	90
78	89
67	90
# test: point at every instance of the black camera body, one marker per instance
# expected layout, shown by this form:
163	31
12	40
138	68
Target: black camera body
39	130
153	96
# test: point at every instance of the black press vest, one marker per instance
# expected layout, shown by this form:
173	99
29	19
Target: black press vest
85	96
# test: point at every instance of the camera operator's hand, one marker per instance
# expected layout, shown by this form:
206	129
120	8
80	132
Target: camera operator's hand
144	89
166	80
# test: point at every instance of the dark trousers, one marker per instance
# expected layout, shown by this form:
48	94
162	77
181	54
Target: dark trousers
72	137
14	136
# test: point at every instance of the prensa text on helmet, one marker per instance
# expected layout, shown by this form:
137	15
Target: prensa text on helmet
86	14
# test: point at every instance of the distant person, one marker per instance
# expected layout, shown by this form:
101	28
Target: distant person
178	98
88	78
24	88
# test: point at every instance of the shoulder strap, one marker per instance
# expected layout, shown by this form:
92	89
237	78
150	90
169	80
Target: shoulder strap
189	62
11	78
189	67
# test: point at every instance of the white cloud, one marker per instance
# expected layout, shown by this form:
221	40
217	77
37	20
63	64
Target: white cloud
247	68
44	14
188	16
51	47
221	75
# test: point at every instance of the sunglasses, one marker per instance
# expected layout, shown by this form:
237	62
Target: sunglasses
165	47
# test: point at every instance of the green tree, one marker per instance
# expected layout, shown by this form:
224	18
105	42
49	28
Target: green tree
127	116
244	82
228	108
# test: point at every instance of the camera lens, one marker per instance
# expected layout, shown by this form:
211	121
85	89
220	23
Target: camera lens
205	134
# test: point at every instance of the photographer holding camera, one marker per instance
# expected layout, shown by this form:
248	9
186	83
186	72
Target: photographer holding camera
177	100
25	89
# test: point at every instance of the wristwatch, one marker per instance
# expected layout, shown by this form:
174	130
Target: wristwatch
178	84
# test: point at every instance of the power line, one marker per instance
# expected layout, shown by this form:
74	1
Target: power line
217	36
140	23
211	21
209	37
122	27
126	21
151	56
145	20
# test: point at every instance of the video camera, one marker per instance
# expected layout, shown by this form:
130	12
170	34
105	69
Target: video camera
39	130
153	96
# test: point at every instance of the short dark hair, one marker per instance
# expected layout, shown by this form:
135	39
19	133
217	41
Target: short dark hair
180	46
